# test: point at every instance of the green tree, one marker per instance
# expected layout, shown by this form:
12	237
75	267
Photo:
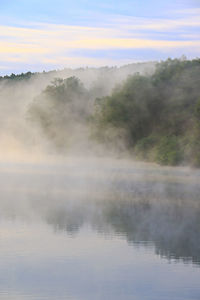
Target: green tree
61	107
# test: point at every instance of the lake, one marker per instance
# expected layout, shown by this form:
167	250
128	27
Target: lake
87	229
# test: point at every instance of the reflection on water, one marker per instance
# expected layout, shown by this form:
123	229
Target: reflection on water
97	230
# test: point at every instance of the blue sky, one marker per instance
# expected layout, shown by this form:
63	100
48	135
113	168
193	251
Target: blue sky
43	35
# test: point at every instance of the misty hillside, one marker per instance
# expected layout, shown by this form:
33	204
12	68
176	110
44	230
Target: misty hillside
147	110
17	94
105	77
157	116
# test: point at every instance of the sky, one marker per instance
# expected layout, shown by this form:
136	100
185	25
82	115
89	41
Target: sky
46	35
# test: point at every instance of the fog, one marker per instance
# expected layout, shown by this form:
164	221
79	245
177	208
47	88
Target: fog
22	138
54	171
145	204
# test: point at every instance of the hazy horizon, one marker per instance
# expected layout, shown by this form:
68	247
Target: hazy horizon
37	36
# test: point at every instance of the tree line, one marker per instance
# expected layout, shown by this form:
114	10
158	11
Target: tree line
156	116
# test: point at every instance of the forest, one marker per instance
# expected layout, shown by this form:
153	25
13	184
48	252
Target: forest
151	113
158	114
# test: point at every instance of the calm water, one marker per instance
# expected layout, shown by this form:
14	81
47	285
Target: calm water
96	229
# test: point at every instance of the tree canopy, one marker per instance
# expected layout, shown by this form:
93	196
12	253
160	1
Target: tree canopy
160	114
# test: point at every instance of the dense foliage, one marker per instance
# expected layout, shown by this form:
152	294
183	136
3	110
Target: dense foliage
159	115
22	76
155	116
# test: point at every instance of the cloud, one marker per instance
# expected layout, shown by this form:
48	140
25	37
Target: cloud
4	67
56	38
189	11
48	44
128	44
156	24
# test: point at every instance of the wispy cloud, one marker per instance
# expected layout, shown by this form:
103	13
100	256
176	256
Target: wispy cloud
188	11
54	44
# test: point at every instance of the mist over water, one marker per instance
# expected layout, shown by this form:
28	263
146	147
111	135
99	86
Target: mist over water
143	203
91	223
110	219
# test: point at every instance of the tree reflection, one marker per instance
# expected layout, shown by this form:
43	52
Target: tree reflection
167	217
160	211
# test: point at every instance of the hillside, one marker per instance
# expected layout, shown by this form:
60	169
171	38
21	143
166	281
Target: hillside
157	116
149	110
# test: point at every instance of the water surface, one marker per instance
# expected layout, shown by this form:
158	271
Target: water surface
99	229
